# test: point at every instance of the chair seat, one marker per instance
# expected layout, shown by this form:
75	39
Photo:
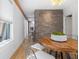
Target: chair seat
37	46
41	55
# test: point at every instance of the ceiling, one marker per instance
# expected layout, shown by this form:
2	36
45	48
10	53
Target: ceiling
30	5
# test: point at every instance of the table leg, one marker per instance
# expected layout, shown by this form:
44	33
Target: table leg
56	54
50	52
61	55
68	56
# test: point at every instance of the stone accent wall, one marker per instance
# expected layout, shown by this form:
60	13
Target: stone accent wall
47	21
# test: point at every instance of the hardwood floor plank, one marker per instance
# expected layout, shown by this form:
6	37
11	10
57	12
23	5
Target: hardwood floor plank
20	52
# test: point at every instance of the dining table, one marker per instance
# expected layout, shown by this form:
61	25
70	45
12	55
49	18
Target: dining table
69	46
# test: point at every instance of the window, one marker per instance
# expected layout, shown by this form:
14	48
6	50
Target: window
4	31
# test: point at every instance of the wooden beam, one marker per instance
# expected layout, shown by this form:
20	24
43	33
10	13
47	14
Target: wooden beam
16	3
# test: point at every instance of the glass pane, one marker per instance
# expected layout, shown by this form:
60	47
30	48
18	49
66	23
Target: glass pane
4	31
7	31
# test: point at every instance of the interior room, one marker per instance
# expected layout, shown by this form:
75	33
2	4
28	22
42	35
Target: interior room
38	29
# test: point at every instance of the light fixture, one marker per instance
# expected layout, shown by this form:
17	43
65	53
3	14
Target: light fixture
57	2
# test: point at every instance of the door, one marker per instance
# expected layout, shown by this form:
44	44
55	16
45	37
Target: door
68	26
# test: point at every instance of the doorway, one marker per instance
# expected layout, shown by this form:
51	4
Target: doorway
68	26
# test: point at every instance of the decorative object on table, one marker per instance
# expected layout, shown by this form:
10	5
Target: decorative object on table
58	36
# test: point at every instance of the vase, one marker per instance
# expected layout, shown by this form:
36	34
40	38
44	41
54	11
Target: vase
60	38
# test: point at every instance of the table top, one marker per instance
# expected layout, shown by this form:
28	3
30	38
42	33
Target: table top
67	46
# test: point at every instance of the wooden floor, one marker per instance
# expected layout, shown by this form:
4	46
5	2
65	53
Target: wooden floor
20	52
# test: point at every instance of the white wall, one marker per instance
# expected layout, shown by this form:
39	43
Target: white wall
72	8
7	50
75	21
6	10
26	29
25	20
